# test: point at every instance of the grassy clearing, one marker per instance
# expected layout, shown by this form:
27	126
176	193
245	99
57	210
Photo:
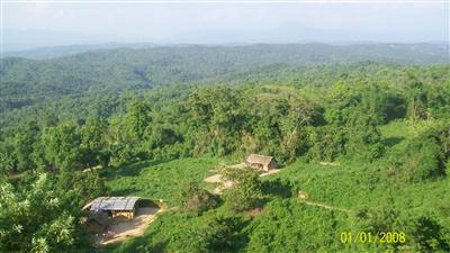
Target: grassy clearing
396	132
397	128
356	185
158	181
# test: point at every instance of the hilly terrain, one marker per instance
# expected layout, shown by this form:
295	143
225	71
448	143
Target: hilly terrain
360	135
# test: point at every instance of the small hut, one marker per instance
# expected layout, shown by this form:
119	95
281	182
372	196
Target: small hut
114	206
261	162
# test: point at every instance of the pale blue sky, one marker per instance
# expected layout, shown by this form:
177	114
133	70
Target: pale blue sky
225	23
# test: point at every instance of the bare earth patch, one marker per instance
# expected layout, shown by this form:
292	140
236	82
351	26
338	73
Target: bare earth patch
330	163
252	213
123	229
270	172
217	179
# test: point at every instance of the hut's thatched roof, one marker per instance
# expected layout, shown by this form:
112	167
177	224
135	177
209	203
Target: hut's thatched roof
259	159
112	203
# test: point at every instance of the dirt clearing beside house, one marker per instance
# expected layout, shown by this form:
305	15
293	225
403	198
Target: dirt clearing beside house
123	229
218	179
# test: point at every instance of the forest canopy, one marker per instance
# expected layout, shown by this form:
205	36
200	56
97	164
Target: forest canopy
382	123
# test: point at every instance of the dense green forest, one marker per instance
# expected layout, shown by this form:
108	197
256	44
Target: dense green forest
26	81
364	130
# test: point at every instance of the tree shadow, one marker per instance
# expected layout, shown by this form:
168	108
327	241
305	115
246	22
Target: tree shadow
131	169
431	235
240	240
392	141
278	188
260	202
271	189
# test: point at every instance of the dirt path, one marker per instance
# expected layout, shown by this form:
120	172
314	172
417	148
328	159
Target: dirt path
216	178
270	172
326	206
123	229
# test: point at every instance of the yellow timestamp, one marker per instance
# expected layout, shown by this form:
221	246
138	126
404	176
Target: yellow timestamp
369	237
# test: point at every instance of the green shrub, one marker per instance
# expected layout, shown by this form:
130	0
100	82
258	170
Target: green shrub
423	160
245	191
195	199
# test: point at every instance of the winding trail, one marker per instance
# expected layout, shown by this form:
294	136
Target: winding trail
326	206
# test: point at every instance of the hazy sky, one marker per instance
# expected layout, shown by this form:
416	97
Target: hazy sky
224	22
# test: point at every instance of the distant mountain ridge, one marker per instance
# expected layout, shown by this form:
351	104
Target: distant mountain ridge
41	53
419	50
